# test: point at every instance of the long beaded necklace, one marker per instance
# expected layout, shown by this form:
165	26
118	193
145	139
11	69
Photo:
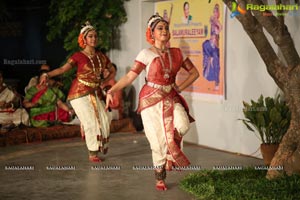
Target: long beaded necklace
167	71
93	64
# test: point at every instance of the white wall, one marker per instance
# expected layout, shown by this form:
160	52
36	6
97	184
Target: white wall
132	38
217	124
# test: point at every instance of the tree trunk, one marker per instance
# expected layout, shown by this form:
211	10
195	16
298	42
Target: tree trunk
286	74
288	153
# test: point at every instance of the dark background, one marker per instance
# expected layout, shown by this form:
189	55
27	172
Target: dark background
23	32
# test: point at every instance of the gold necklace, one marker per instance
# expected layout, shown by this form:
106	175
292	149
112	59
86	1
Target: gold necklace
94	68
89	53
167	71
158	49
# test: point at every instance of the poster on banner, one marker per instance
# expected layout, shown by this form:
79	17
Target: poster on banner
197	28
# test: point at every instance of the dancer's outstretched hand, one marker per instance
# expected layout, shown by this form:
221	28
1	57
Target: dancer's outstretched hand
109	100
43	79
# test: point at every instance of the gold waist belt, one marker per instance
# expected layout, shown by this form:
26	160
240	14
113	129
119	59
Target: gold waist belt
93	85
165	88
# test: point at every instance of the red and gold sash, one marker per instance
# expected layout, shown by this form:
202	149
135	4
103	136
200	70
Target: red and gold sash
173	140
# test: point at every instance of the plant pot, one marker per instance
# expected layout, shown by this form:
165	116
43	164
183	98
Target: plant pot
268	151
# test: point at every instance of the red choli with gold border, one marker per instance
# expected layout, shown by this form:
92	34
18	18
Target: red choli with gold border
150	61
88	75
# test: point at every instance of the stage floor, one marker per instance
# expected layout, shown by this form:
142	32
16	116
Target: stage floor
59	169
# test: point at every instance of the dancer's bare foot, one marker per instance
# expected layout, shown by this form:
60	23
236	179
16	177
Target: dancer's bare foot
160	176
160	185
95	159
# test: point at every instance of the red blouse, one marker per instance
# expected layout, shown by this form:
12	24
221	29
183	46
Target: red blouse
152	63
89	72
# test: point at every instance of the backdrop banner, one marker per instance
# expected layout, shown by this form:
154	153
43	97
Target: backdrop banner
197	27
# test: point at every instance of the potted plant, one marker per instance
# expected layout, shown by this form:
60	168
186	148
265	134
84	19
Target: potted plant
270	117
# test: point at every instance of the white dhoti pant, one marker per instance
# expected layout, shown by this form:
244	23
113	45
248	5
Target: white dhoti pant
155	132
94	119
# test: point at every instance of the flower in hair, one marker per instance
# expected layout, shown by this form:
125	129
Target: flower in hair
81	41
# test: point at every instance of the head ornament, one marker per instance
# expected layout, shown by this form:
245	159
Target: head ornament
86	28
154	19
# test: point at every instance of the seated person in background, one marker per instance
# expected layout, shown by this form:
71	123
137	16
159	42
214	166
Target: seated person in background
10	113
117	105
46	106
35	80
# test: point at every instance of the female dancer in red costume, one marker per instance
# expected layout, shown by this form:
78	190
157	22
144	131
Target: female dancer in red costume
164	112
85	94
